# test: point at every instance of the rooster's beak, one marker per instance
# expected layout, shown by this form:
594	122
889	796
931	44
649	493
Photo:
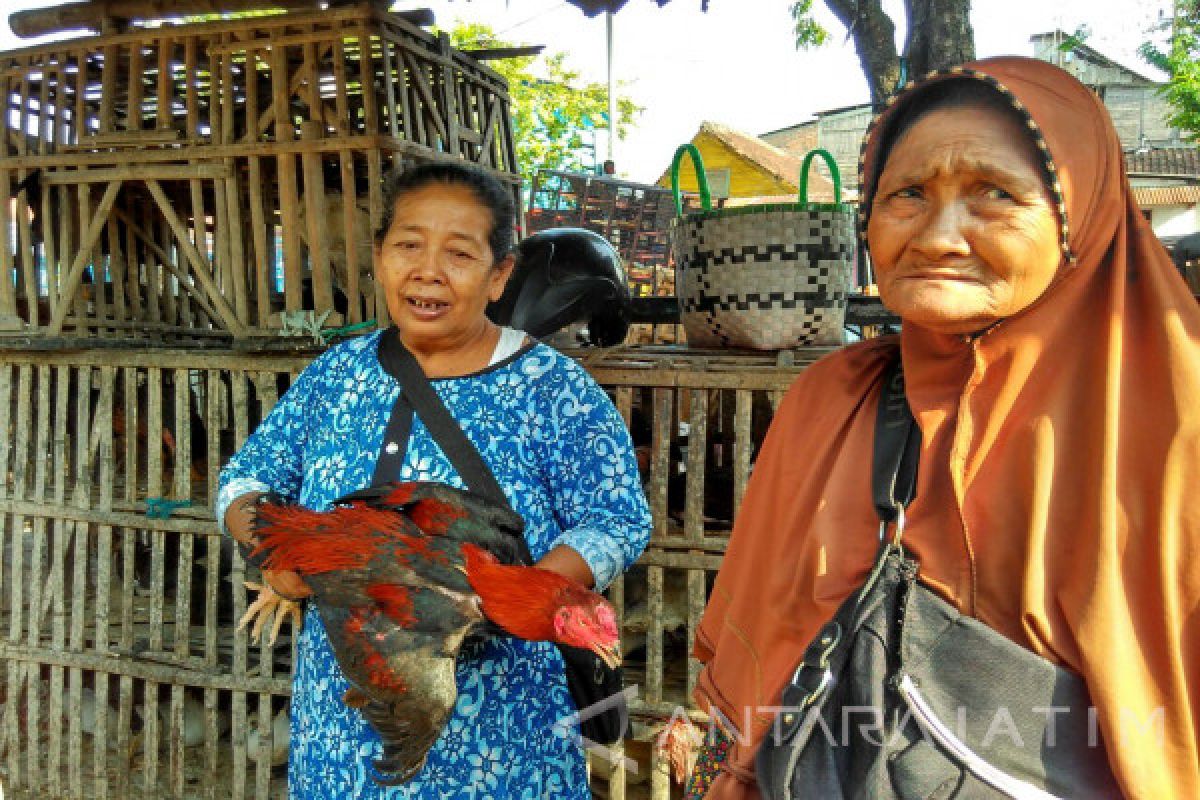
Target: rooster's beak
609	654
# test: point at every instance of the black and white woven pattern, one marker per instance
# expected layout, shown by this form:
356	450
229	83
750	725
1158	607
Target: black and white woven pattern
767	279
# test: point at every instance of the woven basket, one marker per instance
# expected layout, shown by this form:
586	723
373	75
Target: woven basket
767	277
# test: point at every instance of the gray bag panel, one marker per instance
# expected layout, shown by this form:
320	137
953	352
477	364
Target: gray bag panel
862	739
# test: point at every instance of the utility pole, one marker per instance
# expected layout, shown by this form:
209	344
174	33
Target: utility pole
612	94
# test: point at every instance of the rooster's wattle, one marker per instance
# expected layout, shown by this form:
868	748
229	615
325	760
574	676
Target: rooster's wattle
402	575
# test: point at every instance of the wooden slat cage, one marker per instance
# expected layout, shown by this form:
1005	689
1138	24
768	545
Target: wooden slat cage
188	183
179	194
123	676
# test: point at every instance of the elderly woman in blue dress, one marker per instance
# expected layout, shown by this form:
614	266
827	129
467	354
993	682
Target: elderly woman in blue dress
551	436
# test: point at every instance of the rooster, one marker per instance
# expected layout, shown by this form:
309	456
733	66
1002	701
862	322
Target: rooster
402	575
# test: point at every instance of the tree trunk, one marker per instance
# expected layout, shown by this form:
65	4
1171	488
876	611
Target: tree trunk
939	36
874	36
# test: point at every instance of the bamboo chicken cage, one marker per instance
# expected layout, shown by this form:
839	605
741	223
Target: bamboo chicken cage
207	182
179	196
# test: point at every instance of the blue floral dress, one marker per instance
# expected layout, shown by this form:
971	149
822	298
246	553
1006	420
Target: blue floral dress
561	452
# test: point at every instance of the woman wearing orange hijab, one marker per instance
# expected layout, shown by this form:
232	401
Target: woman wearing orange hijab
1051	356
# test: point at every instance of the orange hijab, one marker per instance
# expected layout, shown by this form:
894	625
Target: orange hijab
1058	498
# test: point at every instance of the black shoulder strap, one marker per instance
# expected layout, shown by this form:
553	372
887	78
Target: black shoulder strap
417	395
897	447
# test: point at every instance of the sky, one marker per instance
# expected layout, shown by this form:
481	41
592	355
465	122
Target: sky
737	63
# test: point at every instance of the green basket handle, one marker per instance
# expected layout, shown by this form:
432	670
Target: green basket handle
701	178
833	172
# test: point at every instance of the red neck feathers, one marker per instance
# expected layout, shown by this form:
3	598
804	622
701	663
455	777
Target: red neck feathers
521	600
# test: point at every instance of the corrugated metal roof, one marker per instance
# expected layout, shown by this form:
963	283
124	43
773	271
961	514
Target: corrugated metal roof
1151	196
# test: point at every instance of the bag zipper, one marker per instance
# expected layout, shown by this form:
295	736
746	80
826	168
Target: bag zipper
1000	781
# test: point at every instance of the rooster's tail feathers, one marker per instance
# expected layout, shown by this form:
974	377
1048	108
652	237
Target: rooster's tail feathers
311	542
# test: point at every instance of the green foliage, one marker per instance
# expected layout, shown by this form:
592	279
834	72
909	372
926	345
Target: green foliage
1073	40
556	117
1179	57
809	32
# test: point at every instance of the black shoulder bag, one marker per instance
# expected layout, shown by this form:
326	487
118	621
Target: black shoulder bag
589	679
900	695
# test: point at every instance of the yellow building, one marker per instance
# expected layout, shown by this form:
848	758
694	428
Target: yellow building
740	166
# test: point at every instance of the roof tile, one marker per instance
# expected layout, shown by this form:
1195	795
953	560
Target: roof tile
1164	161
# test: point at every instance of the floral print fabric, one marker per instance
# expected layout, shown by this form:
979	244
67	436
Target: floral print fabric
712	755
564	459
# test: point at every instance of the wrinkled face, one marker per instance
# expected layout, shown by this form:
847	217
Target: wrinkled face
592	626
436	267
962	231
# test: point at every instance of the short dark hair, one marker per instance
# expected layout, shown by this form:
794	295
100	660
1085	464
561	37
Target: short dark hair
489	191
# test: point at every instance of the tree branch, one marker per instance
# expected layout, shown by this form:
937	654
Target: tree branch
874	36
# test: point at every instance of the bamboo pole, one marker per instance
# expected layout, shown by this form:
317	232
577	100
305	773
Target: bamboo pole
233	215
78	298
62	532
743	409
350	223
37	590
341	94
185	282
7	298
264	254
199	267
393	71
164	93
375	195
82	499
154	279
81	259
212	587
265	383
199	226
654	635
28	268
133	116
18	674
183	580
366	79
92	15
137	310
169	239
103	422
317	223
109	76
126	638
449	86
8	723
47	132
288	192
239	728
693	516
154	488
117	265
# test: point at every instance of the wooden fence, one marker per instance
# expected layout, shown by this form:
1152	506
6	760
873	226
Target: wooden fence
123	677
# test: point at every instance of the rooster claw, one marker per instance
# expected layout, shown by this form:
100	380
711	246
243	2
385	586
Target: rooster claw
267	607
679	741
389	770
